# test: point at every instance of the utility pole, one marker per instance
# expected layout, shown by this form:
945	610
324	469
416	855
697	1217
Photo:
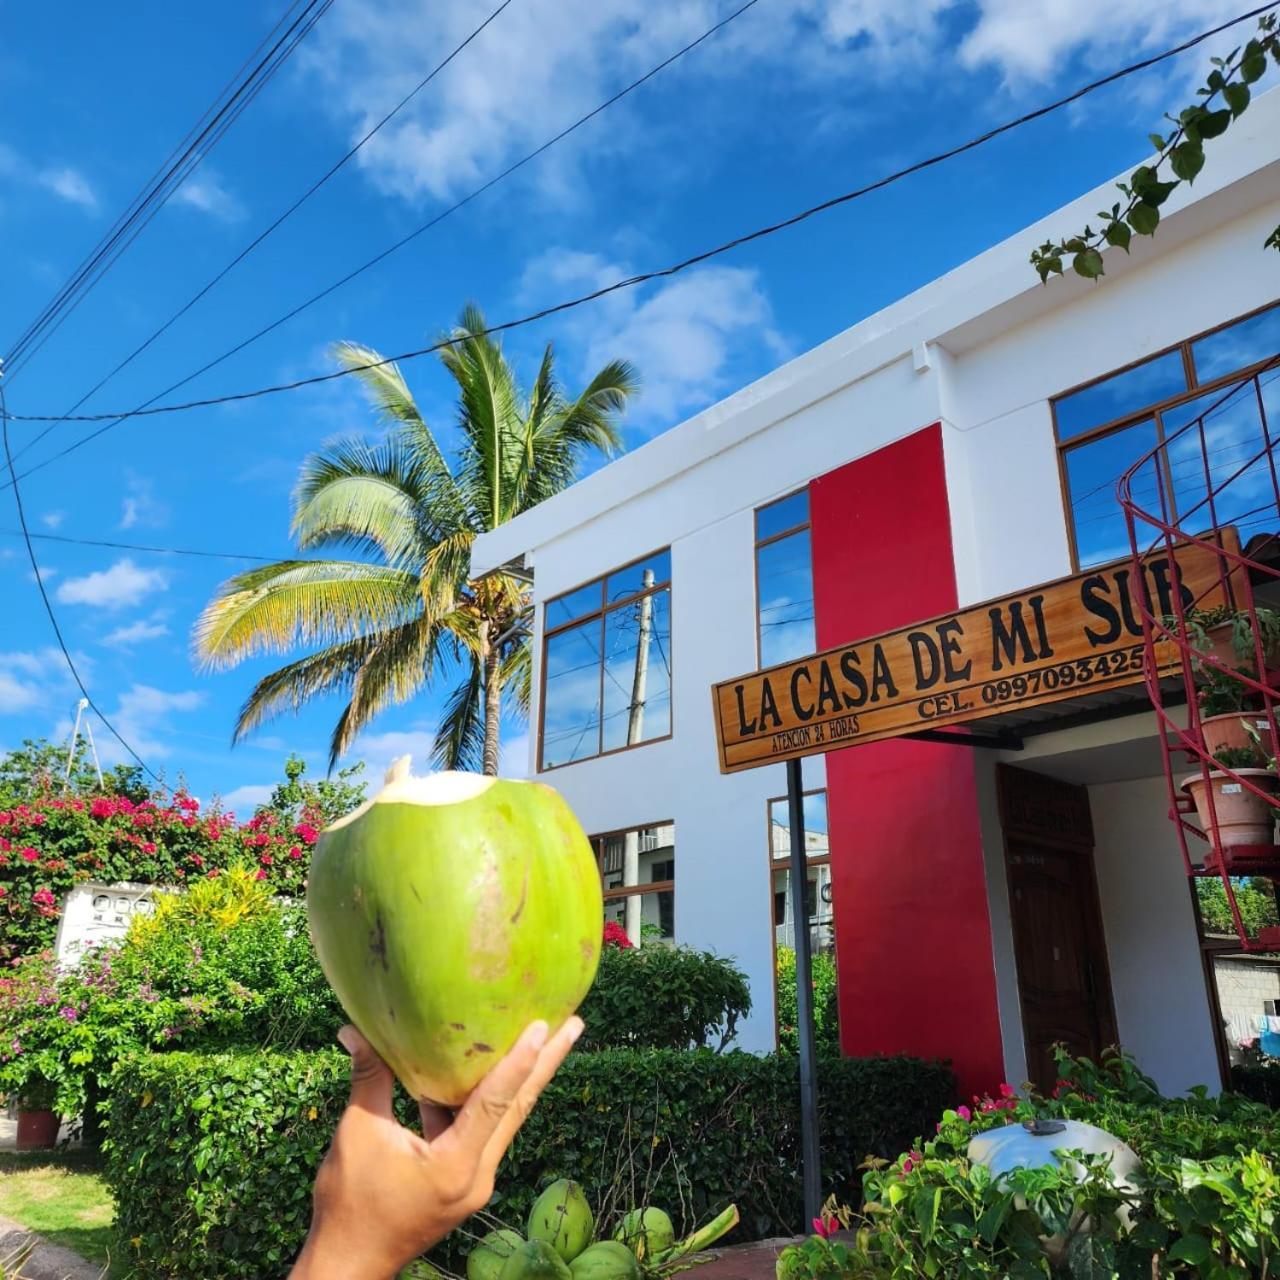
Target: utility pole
635	730
75	743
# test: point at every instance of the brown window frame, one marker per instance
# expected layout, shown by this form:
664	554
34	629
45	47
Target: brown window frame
628	891
602	612
776	864
758	542
1151	412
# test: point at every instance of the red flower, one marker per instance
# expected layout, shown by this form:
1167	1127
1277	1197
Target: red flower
1008	1091
262	873
148	846
266	861
3	891
43	898
616	936
824	1228
28	854
306	832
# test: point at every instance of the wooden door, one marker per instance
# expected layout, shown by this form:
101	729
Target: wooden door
1063	983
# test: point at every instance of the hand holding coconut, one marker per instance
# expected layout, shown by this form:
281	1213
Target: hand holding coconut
458	920
384	1195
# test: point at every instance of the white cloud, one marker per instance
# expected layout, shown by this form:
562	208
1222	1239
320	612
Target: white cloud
139	506
207	192
244	800
53	519
513	756
33	680
378	750
497	103
119	587
682	335
62	180
68	184
142	715
17	694
136	632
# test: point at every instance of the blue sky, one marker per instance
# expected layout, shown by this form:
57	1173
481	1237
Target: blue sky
793	102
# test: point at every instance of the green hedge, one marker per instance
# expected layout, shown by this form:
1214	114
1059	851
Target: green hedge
211	1158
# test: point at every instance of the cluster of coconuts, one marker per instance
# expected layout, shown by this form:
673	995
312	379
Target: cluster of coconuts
559	1242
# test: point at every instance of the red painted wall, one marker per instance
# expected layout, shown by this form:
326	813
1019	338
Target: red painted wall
913	936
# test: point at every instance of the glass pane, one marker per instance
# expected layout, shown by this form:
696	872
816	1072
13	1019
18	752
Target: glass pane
818	905
1255	897
1223	438
786	513
784	570
637	672
1120	395
644	856
815	827
1243	343
571	716
1092	473
638	577
575	604
646	918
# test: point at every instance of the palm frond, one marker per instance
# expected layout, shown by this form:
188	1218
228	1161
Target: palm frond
301	602
517	678
459	740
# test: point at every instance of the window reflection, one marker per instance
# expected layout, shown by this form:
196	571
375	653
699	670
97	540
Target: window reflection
1237	346
607	679
1120	395
1092	473
784	572
571	699
818	894
642	859
786	513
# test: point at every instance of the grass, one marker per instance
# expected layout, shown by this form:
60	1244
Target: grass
61	1195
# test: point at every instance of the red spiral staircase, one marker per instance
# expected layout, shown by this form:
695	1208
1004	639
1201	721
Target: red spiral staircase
1215	483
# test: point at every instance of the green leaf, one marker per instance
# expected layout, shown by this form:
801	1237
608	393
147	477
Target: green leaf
1118	234
1144	218
1236	97
1215	122
1194	1249
1186	160
1088	264
1156	141
925	1207
1254	63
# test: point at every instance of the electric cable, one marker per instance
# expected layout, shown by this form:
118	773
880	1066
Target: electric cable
659	273
138	546
276	224
76	289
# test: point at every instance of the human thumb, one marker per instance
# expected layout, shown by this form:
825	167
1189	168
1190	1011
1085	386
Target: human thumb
370	1077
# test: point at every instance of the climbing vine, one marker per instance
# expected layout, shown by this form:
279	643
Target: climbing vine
1225	97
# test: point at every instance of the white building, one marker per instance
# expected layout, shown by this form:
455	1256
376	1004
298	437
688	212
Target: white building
959	445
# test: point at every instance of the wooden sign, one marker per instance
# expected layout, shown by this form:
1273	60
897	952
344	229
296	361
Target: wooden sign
1061	640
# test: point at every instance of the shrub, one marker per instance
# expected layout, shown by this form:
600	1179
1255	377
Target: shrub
664	997
211	1158
826	1016
220	965
1206	1203
51	839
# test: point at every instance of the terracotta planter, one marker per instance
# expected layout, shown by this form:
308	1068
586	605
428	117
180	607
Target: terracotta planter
37	1130
1220	647
1230	731
1243	818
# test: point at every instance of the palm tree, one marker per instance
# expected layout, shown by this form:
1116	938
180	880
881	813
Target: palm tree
394	622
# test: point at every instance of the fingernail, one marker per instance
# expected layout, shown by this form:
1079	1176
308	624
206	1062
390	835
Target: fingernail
537	1034
347	1039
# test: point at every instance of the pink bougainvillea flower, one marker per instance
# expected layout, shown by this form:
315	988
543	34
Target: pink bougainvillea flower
3	891
306	832
43	898
28	854
266	859
1008	1091
824	1228
908	1164
964	1113
262	873
295	852
69	1013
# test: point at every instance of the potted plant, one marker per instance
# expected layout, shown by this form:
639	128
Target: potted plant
1226	723
1243	816
1227	635
38	1123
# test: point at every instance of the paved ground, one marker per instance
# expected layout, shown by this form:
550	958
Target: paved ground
47	1261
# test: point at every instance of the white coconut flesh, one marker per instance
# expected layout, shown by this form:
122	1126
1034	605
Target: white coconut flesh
400	786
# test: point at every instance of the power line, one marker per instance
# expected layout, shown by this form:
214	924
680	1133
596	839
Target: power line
138	546
48	605
387	252
277	223
632	281
153	199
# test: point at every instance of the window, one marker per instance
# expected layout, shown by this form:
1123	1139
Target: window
606	670
784	580
818	911
637	874
1105	427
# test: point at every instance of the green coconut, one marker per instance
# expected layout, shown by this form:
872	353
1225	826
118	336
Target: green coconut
605	1260
448	913
646	1232
419	1269
562	1217
486	1260
536	1260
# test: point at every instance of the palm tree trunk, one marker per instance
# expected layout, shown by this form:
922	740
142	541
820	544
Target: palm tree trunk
492	701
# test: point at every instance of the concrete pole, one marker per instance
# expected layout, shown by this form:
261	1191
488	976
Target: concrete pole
635	732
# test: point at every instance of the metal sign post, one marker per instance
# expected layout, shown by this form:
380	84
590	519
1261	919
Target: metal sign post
809	1146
